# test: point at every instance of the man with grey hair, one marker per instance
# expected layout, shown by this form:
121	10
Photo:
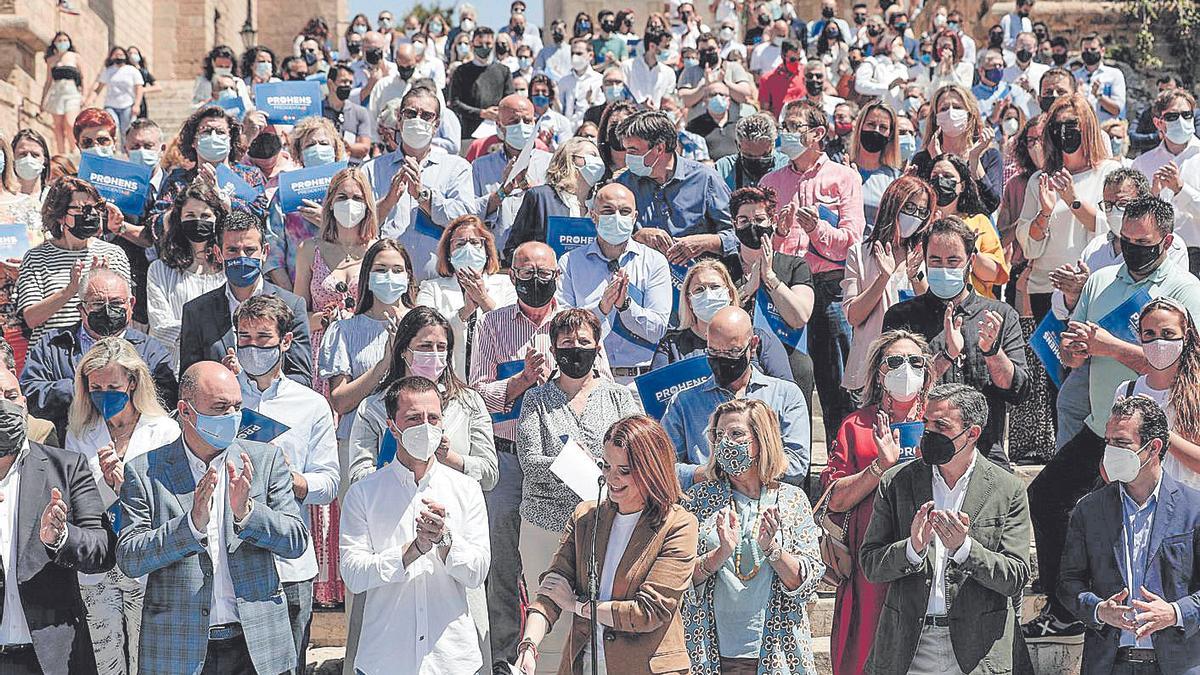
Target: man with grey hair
105	307
949	604
756	155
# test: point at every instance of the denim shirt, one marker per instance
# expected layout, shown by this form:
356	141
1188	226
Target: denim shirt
694	200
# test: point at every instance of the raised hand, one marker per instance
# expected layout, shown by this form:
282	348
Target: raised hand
230	361
431	524
920	533
887	440
111	467
768	527
1047	197
54	519
239	486
989	330
885	259
202	498
952	330
728	532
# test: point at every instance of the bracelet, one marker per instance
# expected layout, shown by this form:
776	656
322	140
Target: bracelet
527	644
994	350
875	469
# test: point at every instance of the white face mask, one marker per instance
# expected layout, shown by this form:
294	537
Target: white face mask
421	441
708	302
416	133
469	256
1010	126
349	212
909	224
953	121
1162	354
29	167
904	383
1122	464
1115	218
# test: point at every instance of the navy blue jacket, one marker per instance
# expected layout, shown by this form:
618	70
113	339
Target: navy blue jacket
538	204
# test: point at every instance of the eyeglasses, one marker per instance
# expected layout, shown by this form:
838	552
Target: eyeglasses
459	243
796	128
1172	116
726	353
97	306
895	361
1107	206
743	223
528	273
914	210
413	113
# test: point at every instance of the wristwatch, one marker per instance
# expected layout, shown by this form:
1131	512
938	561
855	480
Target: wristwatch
1076	205
425	194
775	554
444	541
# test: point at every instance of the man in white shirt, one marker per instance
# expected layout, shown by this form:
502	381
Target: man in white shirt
1174	166
501	187
1016	22
309	444
395	85
649	77
689	27
954	22
414	538
554	59
727	39
1025	75
1103	84
372	67
582	87
766	55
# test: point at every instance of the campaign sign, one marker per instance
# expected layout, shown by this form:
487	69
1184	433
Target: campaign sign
387	449
309	183
1045	343
258	427
1122	322
288	102
910	439
658	386
234	106
564	233
425	226
796	338
503	372
678	274
14	241
229	182
123	183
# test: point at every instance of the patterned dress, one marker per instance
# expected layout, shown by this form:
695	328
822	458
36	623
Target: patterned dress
787	636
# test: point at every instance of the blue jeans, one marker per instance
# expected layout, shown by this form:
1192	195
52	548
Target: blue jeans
503	581
122	117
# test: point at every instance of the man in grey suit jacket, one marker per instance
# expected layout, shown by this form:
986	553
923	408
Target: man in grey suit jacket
1131	567
950	535
204	518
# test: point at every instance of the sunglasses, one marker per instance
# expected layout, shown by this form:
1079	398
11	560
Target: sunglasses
1172	116
915	360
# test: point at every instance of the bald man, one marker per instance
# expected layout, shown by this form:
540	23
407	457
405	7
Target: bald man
204	518
731	346
393	85
627	285
478	85
372	67
499	185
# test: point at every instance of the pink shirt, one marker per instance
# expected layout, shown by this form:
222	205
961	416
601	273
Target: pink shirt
829	184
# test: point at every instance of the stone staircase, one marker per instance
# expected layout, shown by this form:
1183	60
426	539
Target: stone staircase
171	106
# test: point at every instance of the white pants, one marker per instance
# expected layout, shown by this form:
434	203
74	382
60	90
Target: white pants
114	617
935	653
538	547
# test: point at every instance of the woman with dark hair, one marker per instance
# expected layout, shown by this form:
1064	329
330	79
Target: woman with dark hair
210	137
22	209
359	25
219	62
31	164
121	85
875	150
186	267
316	29
886	268
583	25
550	122
834	52
1024	159
258	66
957	194
151	87
62	94
612	151
645	560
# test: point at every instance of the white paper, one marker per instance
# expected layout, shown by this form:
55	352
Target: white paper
523	159
577	469
486	129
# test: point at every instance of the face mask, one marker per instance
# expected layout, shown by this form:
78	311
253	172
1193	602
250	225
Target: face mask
1059	58
946	282
1122	464
317	155
1068	139
483	53
97	150
524	62
663	56
1116	146
874	31
592	169
342	93
909	224
691	63
373	55
757	167
469	256
349	212
221	72
13	427
258	361
953	121
30	167
777	41
726	34
579	62
873	141
219	431
637	164
263	70
517	135
1115	218
360	29
827	12
708	302
213	147
540	100
575	362
937	449
109	402
726	370
791	144
1181	131
226	95
1091	58
718	105
614	92
1139	258
1046	103
146	157
912	103
614	228
1024	55
428	365
87	224
1010	126
435	29
108	320
243	271
752	237
993	75
388	287
535	292
463	49
1161	354
421	441
416	133
904	383
405	72
946	189
467	25
62	45
733	458
927	59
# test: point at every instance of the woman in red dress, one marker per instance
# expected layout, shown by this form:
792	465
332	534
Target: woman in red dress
867	446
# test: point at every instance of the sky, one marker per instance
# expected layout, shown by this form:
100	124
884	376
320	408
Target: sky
492	13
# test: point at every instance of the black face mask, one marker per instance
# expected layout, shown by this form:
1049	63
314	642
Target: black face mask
14	425
1140	258
608	26
373	55
483	52
342	93
1059	59
1024	55
501	50
108	320
265	146
937	449
405	72
764	20
874	31
995	40
1046	103
89	223
575	362
726	370
757	167
354	49
873	141
946	189
1091	58
709	58
558	36
198	231
860	19
752	237
1067	139
517	30
535	292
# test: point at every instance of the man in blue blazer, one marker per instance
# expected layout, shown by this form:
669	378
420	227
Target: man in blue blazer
204	518
207	332
1131	567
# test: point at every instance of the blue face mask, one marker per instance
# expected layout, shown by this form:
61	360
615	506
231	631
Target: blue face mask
243	271
213	147
388	287
540	101
144	157
614	228
109	402
637	164
717	105
927	60
791	144
218	431
908	146
946	282
524	62
317	155
614	92
97	150
226	95
517	135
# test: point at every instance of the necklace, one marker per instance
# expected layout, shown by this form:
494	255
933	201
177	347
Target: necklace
347	251
756	556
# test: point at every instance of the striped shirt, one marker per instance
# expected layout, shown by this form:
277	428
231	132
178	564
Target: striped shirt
46	269
505	334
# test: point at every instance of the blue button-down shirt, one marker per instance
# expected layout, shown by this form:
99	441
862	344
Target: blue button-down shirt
686	421
694	200
630	336
1138	523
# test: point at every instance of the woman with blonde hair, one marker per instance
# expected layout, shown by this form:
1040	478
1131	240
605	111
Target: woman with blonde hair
875	150
469	283
574	169
115	415
758	563
954	126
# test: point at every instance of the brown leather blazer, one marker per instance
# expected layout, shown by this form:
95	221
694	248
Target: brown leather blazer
653	574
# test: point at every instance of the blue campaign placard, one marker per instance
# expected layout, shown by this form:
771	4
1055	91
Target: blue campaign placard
764	307
1046	342
123	183
234	106
564	233
910	439
658	386
425	226
387	449
288	102
678	274
1122	322
503	372
14	241
308	183
258	427
229	182
828	215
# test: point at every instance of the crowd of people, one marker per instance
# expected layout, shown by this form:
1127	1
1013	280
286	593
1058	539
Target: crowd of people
429	396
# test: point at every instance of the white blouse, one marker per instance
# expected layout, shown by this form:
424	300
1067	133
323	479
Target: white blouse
167	291
445	295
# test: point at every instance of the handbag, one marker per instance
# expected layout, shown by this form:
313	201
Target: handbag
835	552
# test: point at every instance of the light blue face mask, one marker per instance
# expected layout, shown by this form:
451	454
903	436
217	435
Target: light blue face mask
317	155
144	156
213	147
908	146
707	303
218	431
517	135
614	228
691	63
663	56
791	144
718	105
97	150
469	256
388	287
592	169
637	164
946	282
614	92
1181	131
226	95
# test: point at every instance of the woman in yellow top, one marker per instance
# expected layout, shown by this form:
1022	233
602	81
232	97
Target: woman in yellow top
958	195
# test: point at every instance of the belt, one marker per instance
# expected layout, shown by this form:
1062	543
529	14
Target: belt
630	372
15	649
225	631
1135	655
506	446
936	620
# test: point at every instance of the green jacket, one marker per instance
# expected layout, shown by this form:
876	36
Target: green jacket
979	591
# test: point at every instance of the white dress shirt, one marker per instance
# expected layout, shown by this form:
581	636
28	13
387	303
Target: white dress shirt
945	498
876	75
648	85
486	172
224	600
579	91
14	629
1033	74
1112	85
765	57
310	446
234	303
1187	202
415	619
